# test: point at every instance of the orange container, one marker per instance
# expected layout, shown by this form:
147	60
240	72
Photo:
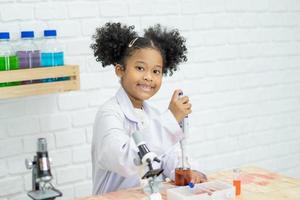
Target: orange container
237	185
182	176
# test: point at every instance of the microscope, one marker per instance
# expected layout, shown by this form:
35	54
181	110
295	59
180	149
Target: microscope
42	189
147	157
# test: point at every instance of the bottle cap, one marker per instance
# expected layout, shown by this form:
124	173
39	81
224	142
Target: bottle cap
191	185
27	34
48	33
4	35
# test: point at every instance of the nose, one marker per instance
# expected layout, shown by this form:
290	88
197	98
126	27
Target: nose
148	76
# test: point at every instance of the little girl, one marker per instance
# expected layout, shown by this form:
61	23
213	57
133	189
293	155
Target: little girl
140	62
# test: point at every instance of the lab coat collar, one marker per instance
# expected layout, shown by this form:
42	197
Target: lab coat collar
127	107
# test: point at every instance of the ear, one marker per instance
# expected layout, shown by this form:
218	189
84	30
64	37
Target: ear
119	70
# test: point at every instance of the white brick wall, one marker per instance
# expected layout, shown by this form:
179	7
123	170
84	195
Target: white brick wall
243	78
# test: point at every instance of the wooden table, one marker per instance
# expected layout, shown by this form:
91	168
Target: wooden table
257	184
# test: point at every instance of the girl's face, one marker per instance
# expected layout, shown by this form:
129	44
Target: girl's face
142	76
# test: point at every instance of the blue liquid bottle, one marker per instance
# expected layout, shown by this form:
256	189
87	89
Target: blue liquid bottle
52	53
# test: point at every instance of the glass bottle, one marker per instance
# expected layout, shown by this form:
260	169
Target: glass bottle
28	52
8	59
183	172
237	181
52	53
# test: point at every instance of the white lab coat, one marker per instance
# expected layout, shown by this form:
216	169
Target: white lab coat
114	150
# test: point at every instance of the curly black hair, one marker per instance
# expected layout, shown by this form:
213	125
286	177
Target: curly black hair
115	42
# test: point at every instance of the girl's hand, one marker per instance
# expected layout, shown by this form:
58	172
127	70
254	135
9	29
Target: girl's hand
198	177
180	107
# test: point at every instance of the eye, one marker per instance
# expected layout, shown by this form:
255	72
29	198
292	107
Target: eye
156	71
139	68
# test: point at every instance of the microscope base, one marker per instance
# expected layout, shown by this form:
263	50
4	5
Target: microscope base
155	196
48	194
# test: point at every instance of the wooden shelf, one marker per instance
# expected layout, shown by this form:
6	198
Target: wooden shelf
71	71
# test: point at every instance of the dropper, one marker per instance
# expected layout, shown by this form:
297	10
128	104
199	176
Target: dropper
184	126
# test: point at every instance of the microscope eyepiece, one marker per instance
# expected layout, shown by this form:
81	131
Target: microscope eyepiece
43	163
42	145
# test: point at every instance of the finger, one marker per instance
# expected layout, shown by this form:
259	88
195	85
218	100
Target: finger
194	177
200	180
184	99
187	112
187	109
188	106
175	94
197	179
193	180
203	178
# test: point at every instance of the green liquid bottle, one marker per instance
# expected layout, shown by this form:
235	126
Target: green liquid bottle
8	61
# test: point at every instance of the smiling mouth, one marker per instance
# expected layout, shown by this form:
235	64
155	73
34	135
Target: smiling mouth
145	87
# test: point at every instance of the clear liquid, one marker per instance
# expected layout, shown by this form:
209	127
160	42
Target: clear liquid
9	63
